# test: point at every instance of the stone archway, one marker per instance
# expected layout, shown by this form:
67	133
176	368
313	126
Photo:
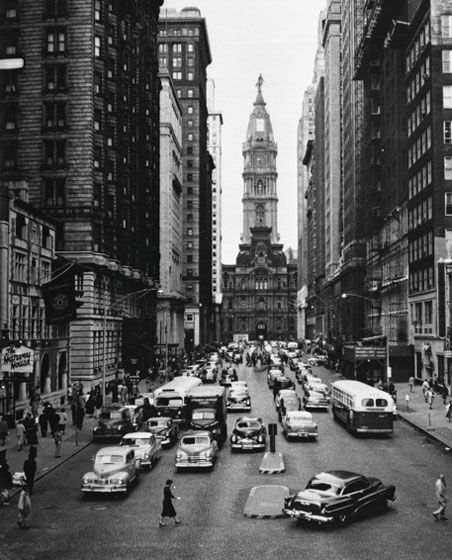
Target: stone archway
62	371
45	375
261	330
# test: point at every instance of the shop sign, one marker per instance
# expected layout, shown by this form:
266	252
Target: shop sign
17	361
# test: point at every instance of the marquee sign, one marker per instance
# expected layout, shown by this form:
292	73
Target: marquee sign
17	361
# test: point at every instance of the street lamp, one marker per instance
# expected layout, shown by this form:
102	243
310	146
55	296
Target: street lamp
104	330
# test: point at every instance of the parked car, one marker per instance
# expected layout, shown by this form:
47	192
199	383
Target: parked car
249	433
284	394
114	422
318	387
147	447
272	375
338	496
114	471
313	399
298	424
164	428
238	399
228	376
239	385
197	448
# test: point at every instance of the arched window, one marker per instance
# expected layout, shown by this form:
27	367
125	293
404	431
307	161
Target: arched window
259	187
260	215
261	304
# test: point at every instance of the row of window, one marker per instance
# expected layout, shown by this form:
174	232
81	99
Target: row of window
420	180
30	270
422	39
418	80
423	108
420	247
28	322
422	212
182	32
418	148
421	280
54	116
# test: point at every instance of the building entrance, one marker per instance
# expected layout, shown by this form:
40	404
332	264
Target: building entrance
261	331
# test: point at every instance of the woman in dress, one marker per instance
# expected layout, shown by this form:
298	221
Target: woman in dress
24	507
168	508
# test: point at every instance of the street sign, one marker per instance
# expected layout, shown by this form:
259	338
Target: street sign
272	431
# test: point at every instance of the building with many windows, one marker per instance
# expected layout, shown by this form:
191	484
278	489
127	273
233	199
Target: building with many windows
184	49
260	290
79	117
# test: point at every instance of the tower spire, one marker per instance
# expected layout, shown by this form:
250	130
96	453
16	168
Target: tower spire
259	98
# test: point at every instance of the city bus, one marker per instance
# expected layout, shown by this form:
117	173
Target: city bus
362	408
171	399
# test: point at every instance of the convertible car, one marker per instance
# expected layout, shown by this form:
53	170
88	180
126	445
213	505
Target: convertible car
338	496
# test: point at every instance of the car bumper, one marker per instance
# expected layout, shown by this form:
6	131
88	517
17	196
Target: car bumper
317	406
302	435
318	518
248	445
103	488
108	435
202	463
238	406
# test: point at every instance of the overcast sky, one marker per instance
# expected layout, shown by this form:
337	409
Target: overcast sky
277	38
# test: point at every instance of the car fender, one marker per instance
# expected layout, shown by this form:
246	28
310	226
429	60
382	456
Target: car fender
344	505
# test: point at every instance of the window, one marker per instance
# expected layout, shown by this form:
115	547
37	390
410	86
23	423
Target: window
446	26
190	137
447	132
190	110
53	194
447	97
19	267
190	232
448	168
97	9
55	77
10	118
177	75
55	115
189	176
54	153
189	259
189	244
448	204
163	48
190	77
10	156
190	92
190	48
177	48
97	46
56	40
56	8
177	62
447	61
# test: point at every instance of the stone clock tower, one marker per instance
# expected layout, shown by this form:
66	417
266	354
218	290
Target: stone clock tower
259	174
260	290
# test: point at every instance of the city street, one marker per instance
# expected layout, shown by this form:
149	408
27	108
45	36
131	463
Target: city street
67	526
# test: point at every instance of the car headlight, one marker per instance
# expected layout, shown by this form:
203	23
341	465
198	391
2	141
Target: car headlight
86	480
233	438
95	428
215	431
117	481
247	402
146	456
260	439
119	428
180	455
206	454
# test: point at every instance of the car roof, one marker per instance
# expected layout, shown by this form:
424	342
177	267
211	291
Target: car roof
339	477
137	435
112	450
248	419
192	433
163	418
300	414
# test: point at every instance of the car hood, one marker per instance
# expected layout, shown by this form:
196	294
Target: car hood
189	449
110	423
105	471
204	423
298	424
247	432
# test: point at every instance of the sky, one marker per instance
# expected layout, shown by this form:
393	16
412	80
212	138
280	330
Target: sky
278	39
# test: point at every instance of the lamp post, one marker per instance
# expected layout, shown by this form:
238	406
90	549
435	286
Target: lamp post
104	330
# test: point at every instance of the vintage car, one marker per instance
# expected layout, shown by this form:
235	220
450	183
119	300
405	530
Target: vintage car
147	447
314	399
272	375
210	374
239	385
318	387
337	496
298	424
284	394
135	414
164	428
248	433
114	422
197	448
139	401
228	376
238	399
115	469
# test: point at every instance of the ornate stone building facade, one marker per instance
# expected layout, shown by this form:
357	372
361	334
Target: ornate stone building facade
260	290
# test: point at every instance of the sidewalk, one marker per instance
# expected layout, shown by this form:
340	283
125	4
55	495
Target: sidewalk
416	412
73	442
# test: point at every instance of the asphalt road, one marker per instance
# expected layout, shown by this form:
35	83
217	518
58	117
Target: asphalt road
66	526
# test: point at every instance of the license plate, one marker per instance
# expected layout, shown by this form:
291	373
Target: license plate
302	434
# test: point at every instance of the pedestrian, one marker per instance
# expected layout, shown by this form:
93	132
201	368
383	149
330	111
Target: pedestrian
425	388
30	429
441	496
24	507
62	420
449	411
80	415
6	484
29	469
429	396
3	429
444	393
411	383
58	438
43	422
20	433
54	420
168	508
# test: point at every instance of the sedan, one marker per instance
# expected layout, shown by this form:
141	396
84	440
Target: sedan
284	394
299	425
146	446
115	469
196	449
337	496
238	399
313	399
164	428
249	433
114	422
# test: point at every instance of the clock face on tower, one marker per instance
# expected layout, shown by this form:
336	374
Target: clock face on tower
260	125
260	161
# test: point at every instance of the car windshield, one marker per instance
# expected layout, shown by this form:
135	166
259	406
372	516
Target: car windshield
300	417
240	394
135	441
248	425
171	402
111	415
370	402
203	415
109	459
323	486
195	440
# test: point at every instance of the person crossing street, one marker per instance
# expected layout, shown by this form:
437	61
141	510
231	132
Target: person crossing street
441	496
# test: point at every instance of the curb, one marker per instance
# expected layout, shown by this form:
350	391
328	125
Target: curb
81	448
426	431
256	516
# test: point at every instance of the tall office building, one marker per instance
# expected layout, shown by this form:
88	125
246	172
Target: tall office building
80	113
259	291
184	49
215	124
